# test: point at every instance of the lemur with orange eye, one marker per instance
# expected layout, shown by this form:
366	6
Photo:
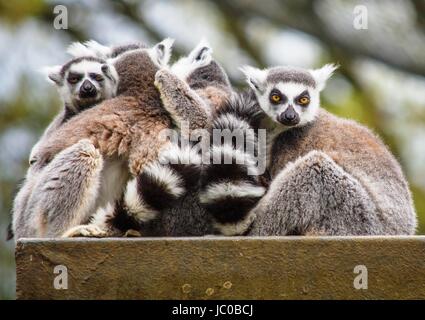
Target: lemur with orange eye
329	176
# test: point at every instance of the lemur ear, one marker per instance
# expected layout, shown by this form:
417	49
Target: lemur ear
256	78
322	74
202	54
110	72
53	74
161	52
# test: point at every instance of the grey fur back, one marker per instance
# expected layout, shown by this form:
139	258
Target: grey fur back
349	155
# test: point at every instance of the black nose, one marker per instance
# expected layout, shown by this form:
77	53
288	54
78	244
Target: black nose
290	117
87	90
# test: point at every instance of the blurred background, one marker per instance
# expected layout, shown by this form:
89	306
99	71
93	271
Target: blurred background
381	81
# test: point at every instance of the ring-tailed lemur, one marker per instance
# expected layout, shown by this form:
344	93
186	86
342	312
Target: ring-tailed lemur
117	137
82	82
201	84
329	175
164	197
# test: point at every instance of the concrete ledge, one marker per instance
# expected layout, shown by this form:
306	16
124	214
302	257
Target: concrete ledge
222	268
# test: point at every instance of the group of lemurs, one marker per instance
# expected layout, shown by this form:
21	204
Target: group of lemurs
104	168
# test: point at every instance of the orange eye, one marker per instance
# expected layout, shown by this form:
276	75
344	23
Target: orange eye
303	100
276	98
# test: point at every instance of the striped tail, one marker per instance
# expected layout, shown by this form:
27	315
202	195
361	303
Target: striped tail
163	182
231	185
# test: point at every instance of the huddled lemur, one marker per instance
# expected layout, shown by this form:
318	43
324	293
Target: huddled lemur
98	147
329	176
82	83
163	199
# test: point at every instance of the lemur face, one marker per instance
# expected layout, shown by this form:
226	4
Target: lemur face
289	96
84	82
290	103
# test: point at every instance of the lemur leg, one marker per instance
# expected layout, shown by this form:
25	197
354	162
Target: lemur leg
183	103
314	195
66	190
20	226
163	182
98	226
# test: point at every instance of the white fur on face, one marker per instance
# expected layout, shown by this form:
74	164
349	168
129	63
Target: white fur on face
291	90
199	57
70	92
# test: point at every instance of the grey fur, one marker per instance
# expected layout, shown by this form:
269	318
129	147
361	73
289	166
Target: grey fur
76	169
334	177
203	92
54	198
290	74
329	176
183	103
64	193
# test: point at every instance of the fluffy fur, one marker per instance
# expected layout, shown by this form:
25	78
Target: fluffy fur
231	186
173	178
329	175
32	194
344	182
96	74
124	132
61	195
193	99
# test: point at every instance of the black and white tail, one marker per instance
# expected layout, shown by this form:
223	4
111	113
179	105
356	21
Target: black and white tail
231	186
163	182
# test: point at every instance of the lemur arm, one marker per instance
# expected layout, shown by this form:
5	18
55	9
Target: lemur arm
59	195
183	103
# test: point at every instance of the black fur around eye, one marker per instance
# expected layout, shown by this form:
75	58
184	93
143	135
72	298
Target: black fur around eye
74	78
303	99
97	77
276	97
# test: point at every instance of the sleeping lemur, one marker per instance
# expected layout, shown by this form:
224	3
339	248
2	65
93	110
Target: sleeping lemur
163	199
329	176
115	138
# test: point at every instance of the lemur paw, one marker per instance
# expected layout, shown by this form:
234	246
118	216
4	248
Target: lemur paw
132	234
163	75
87	230
86	148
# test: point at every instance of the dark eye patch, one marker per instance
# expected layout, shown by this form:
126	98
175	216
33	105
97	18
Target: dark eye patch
74	77
303	95
276	93
96	76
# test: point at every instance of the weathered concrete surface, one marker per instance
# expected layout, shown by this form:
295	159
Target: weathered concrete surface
223	268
